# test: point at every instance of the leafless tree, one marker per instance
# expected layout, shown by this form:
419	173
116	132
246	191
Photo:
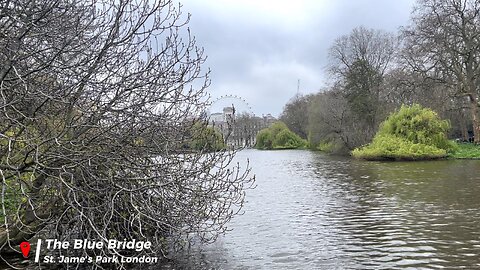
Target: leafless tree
375	47
330	120
294	115
245	129
96	101
359	62
443	45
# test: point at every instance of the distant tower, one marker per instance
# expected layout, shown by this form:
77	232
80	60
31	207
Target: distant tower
298	87
228	114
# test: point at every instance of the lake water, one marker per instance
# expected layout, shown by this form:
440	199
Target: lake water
312	211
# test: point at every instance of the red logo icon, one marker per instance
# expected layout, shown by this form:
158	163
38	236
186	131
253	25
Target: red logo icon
25	248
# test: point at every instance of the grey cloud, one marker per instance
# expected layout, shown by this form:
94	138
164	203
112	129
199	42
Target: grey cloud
261	58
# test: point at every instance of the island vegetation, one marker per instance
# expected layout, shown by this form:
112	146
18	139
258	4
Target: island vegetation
278	136
412	133
434	61
205	138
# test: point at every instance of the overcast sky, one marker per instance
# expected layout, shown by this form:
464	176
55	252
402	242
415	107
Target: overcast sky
259	49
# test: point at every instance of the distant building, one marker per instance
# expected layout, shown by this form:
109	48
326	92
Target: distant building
228	114
239	130
216	118
268	119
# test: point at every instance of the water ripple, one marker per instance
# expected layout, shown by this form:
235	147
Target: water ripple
312	211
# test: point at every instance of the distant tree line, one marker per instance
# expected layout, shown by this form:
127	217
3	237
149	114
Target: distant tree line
434	62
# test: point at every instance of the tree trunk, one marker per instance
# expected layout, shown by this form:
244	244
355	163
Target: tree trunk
475	122
463	125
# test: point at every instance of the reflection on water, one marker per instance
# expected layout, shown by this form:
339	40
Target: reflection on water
312	211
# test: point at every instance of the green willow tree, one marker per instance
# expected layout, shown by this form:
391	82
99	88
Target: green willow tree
205	138
411	133
278	136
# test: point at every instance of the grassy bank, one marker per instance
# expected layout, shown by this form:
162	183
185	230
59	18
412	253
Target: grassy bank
466	151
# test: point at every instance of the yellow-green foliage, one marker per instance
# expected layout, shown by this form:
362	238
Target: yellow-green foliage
264	139
412	133
327	146
206	138
278	136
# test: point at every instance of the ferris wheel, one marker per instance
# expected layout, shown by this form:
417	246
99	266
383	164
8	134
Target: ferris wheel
240	104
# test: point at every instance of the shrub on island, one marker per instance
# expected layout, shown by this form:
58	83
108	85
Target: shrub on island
278	136
205	138
412	133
